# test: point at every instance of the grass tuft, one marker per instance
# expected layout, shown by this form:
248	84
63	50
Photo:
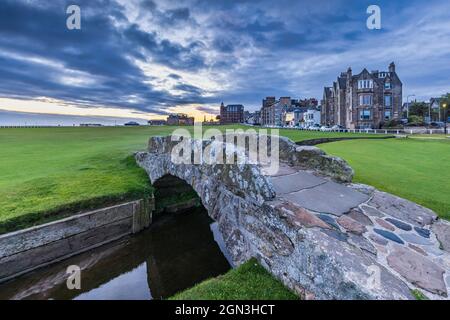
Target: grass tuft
250	281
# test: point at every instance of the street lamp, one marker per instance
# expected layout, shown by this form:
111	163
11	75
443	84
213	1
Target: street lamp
445	117
407	104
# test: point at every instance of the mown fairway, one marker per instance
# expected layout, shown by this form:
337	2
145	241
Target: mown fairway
415	169
49	171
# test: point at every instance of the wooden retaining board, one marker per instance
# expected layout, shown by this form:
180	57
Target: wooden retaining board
32	248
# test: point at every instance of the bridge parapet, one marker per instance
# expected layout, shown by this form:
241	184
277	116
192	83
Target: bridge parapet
244	180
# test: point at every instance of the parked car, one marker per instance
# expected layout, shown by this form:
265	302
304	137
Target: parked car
437	124
132	124
337	127
315	127
325	129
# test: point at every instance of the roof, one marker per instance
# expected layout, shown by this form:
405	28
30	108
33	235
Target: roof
342	82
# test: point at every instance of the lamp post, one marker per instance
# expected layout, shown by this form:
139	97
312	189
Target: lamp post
407	104
429	114
445	117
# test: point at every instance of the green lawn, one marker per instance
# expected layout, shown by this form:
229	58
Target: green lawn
248	282
49	172
415	169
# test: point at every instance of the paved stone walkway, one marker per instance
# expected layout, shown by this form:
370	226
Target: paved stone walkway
402	236
307	191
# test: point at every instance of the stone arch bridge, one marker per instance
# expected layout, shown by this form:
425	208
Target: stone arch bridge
321	235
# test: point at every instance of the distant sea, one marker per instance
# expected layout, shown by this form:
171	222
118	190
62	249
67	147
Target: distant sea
10	118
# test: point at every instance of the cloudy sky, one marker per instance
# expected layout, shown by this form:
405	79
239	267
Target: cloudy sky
143	59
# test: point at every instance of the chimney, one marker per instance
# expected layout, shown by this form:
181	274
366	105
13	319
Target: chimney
349	72
392	67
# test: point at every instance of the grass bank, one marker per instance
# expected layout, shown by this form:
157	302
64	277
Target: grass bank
415	169
247	282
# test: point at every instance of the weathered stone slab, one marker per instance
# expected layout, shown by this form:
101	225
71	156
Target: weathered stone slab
362	243
301	217
414	238
377	239
329	198
417	249
370	211
389	235
283	170
351	225
442	231
329	220
399	224
295	182
423	232
418	270
363	188
384	224
360	217
402	209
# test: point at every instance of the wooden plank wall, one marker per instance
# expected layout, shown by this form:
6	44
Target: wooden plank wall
29	249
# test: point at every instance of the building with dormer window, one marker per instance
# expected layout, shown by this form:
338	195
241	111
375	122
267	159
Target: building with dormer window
364	100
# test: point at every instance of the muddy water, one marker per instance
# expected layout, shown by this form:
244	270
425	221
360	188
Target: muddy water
176	252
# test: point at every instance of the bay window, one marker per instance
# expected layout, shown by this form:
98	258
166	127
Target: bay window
387	115
365	84
365	100
388	101
365	114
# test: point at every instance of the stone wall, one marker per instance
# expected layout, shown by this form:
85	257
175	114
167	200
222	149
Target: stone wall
29	249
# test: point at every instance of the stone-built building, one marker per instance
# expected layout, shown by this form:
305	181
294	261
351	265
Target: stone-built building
232	113
364	100
180	119
265	111
253	118
157	122
273	112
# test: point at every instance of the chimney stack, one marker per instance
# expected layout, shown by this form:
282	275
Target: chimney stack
392	67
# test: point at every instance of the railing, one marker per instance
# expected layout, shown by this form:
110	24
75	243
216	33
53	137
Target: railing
33	126
367	131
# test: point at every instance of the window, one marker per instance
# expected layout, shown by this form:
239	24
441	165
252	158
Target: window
387	115
387	85
365	84
365	100
364	115
388	101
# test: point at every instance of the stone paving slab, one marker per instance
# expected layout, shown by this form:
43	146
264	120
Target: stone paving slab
282	171
295	182
329	197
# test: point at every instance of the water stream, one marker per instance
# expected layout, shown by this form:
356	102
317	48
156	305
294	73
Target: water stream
175	253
